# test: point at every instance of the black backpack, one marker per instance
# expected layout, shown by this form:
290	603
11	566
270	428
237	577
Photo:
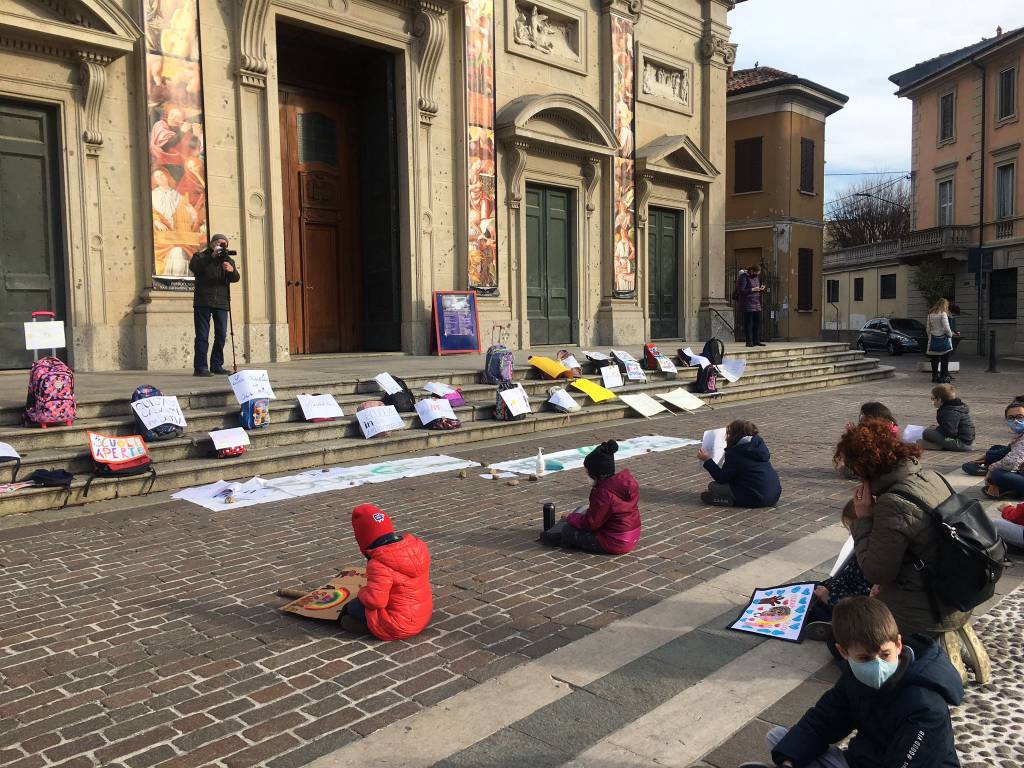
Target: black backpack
707	380
714	350
971	554
404	401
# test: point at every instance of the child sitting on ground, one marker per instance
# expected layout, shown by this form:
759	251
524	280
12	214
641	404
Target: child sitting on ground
896	697
610	523
396	602
1011	526
955	430
979	467
1004	478
746	477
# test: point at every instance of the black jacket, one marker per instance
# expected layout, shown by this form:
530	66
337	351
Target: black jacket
904	724
748	473
211	279
955	420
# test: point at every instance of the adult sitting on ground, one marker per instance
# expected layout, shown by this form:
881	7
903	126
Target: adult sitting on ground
893	536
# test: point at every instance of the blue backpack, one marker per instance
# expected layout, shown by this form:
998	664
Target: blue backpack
255	413
160	431
498	364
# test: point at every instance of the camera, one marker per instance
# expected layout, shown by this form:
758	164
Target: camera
223	253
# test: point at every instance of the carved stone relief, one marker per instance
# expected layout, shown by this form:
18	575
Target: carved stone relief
548	30
664	80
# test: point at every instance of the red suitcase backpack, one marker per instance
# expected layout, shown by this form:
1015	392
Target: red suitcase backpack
51	393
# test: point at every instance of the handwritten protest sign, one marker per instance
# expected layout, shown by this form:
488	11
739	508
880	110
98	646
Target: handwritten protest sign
570	362
621	354
383	418
713	443
319	407
595	356
665	365
249	385
643	404
387	382
594	391
432	408
7	452
45	335
563	399
229	438
634	372
696	359
516	399
913	433
154	411
681	398
611	377
732	369
438	389
107	449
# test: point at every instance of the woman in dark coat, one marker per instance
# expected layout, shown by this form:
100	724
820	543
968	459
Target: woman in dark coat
748	291
746	477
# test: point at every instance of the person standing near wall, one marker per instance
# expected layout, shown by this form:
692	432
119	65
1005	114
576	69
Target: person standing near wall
940	341
749	290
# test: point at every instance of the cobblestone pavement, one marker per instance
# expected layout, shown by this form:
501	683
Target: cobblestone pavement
151	636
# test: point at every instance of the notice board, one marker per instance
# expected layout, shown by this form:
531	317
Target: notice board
456	323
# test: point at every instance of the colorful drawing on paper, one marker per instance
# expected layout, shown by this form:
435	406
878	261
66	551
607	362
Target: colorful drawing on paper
323	599
778	612
177	143
624	251
481	158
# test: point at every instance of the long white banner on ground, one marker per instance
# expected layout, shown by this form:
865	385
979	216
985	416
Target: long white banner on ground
573	458
223	495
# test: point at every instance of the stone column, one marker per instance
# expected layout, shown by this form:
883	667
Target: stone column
714	312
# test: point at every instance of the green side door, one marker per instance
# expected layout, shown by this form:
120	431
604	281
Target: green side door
550	251
663	272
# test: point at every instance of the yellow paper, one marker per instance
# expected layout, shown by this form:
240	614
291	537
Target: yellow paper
595	392
551	368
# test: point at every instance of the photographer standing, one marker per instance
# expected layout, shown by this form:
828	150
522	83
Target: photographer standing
214	271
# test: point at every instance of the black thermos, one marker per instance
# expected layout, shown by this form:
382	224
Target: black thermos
549	515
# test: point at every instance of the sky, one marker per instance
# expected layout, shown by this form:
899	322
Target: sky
852	46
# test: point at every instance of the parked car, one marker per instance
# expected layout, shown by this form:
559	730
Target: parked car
894	334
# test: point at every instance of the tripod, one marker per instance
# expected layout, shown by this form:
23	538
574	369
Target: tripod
231	327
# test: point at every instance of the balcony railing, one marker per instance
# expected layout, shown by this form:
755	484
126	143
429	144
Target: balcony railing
923	241
1004	229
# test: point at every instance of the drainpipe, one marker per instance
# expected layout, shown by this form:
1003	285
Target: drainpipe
980	276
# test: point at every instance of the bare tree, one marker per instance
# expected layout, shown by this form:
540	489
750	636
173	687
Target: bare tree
868	212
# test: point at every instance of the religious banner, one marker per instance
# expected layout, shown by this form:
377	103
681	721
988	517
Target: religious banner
624	211
177	142
481	158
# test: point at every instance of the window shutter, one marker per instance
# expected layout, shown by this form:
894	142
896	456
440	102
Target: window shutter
805	280
806	165
747	166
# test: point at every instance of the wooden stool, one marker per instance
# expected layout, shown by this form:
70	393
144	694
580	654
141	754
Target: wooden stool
965	643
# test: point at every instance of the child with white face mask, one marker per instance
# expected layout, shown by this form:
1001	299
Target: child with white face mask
1004	478
896	697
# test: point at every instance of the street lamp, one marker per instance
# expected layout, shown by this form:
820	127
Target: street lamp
890	202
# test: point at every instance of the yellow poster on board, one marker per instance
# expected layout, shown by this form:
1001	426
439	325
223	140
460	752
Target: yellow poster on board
551	369
595	392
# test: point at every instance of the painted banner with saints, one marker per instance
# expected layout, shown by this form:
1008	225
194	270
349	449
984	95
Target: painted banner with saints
623	103
481	157
177	144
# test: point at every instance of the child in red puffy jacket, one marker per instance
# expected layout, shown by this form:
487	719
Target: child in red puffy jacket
1011	526
396	602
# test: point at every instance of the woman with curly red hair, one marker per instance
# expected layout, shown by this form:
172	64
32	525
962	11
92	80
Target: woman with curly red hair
893	535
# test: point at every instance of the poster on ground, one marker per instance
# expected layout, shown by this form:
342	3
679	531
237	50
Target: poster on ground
682	398
778	612
328	601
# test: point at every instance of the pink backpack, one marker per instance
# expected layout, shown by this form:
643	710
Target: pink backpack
51	393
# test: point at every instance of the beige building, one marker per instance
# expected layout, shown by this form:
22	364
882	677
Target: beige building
775	193
968	208
561	158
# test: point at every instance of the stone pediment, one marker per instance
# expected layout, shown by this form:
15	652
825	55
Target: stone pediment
676	157
99	28
557	121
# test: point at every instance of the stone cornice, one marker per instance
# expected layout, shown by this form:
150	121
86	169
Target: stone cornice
430	26
94	82
717	50
629	9
252	41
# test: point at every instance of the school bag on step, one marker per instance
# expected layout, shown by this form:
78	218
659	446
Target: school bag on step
160	431
498	364
575	372
501	409
255	413
51	393
707	380
714	350
118	457
651	355
403	400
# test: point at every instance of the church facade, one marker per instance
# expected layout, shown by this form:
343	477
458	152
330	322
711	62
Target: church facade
563	159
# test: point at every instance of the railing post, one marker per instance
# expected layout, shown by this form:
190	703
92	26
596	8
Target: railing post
992	352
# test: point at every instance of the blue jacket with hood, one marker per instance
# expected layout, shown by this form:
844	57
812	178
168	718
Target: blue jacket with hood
903	724
749	473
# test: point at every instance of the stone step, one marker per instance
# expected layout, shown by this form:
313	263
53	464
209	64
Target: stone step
268	458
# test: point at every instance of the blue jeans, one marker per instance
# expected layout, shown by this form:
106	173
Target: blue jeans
1012	482
220	332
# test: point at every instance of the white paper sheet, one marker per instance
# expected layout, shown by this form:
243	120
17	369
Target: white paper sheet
564	399
319	407
666	365
432	408
383	418
387	382
248	385
643	404
844	555
634	372
570	362
517	400
573	458
732	369
912	433
598	356
154	411
499	476
7	451
45	335
622	355
682	398
696	359
437	388
229	438
713	443
611	377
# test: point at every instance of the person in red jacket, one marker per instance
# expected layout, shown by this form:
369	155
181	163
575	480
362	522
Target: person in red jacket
396	602
610	523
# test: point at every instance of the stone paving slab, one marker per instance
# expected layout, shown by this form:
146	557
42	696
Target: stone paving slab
151	636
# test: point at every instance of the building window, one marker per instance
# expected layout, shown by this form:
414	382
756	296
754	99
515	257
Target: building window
947	105
1005	190
805	280
1006	106
858	289
887	287
946	203
832	291
747	168
949	288
807	165
1002	294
